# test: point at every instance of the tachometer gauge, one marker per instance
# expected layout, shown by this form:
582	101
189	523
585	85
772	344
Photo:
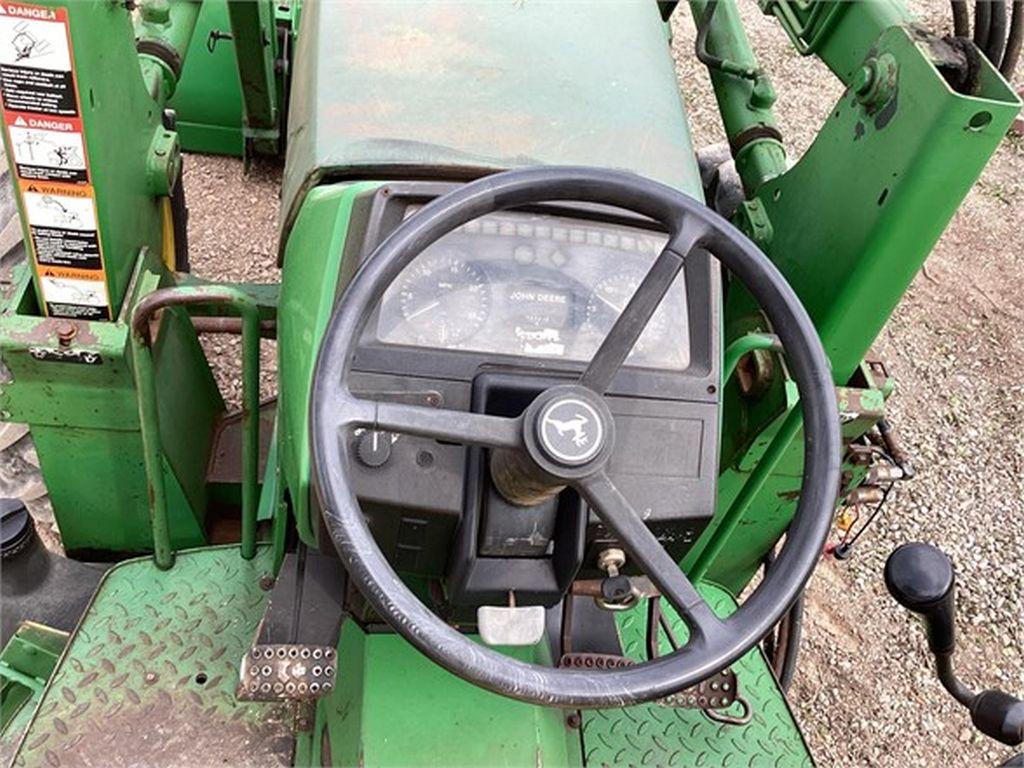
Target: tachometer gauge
444	299
609	299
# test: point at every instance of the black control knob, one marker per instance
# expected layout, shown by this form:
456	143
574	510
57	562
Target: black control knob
920	578
373	448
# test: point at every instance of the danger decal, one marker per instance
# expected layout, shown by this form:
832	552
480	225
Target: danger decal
42	119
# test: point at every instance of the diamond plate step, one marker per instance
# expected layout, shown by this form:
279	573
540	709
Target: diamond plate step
654	735
149	676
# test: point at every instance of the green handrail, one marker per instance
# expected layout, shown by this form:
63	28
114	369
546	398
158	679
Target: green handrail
744	345
149	417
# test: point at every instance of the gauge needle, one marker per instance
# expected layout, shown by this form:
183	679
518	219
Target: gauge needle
421	310
618	309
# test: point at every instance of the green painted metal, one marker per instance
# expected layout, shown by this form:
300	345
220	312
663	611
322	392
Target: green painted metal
316	265
874	192
758	492
396	707
255	39
745	103
900	172
149	417
157	653
27	660
830	30
26	663
85	423
651	734
436	90
751	342
120	125
398	90
726	523
208	100
164	26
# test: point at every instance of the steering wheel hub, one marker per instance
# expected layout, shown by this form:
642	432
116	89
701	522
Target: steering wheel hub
569	430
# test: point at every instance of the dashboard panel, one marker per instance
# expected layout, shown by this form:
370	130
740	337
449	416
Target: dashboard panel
483	321
533	285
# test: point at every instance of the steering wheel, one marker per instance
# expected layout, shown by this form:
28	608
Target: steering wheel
546	461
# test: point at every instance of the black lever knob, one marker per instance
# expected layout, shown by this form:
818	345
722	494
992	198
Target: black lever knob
920	578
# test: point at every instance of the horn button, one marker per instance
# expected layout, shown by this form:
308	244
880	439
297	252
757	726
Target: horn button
568	431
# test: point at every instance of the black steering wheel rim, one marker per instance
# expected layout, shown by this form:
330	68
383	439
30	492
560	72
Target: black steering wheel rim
334	411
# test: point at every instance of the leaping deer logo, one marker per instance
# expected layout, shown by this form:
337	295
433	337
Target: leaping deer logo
574	425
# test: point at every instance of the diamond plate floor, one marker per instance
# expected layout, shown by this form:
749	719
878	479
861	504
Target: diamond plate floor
652	735
149	675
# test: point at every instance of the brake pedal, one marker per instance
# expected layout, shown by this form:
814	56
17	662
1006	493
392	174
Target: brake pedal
293	656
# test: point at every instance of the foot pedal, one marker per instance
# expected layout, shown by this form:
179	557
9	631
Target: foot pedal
287	672
293	656
716	692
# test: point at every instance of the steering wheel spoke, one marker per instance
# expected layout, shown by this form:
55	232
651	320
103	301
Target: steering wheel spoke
623	520
630	325
463	427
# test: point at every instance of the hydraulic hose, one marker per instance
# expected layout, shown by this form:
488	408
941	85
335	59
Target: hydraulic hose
996	31
794	629
961	19
1013	41
982	21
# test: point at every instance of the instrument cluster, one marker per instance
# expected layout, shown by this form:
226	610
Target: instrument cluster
533	285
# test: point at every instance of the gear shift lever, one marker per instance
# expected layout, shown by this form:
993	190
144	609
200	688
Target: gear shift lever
920	578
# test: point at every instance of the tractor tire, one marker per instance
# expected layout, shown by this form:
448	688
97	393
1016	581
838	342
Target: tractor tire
20	477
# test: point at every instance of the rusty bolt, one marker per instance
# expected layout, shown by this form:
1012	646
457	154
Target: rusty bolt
66	332
266	582
573	720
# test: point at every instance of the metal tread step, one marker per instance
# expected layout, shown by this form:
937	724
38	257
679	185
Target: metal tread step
149	675
687	737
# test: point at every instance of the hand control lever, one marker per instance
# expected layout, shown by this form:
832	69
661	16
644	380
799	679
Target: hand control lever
920	577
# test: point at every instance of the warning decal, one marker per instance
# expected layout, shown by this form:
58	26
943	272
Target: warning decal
41	116
47	149
62	221
35	60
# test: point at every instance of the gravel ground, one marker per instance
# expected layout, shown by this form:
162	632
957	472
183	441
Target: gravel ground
232	232
864	691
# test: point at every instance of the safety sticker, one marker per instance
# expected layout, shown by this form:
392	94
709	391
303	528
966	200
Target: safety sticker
74	294
62	222
47	148
41	116
35	60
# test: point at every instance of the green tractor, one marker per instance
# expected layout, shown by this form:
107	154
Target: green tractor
555	390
